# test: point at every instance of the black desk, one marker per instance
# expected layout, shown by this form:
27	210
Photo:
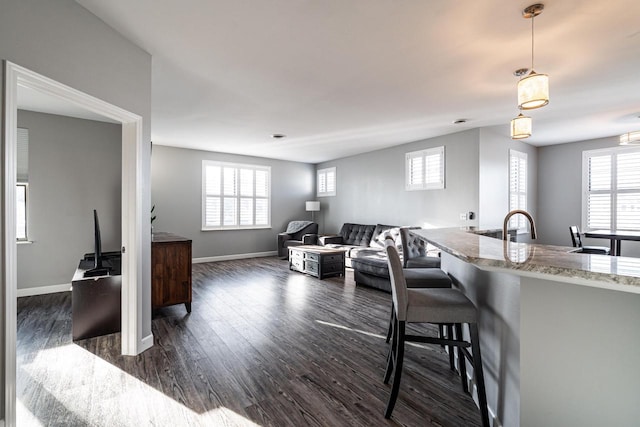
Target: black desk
96	301
616	238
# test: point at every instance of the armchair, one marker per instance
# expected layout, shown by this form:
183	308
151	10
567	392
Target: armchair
297	233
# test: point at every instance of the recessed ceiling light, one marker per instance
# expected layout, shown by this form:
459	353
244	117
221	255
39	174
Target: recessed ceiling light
278	135
459	121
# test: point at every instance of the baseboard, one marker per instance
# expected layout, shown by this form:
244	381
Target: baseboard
146	343
42	290
234	256
473	390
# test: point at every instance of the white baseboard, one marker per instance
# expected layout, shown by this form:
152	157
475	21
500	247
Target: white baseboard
234	256
42	290
473	389
146	343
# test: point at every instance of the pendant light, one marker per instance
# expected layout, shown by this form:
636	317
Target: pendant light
521	127
533	90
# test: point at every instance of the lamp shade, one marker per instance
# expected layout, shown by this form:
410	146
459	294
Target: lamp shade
631	138
533	91
313	206
521	127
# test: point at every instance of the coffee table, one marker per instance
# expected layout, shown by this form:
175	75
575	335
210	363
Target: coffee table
317	261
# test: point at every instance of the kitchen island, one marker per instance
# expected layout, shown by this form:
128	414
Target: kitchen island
559	330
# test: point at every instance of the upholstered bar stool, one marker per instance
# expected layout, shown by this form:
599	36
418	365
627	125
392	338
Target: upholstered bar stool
439	306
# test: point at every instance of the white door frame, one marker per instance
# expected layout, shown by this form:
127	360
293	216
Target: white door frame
132	216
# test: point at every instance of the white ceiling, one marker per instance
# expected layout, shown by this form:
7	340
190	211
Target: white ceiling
342	77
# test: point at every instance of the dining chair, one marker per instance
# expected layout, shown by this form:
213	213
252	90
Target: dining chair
437	306
576	239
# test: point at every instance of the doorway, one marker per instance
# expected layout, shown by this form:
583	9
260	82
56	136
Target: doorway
133	256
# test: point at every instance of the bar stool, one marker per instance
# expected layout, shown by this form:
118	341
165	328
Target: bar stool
439	306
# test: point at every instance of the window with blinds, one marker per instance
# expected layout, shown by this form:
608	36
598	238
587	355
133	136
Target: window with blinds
424	169
235	196
517	188
326	182
22	189
611	189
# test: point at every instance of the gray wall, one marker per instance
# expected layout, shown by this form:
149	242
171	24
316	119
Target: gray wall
494	177
63	41
371	187
560	193
176	178
74	167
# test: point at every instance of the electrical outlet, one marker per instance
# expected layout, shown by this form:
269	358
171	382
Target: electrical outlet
463	217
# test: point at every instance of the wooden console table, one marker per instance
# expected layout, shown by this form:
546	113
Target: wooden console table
170	270
316	261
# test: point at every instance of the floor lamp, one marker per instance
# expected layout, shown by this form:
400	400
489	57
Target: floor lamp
312	207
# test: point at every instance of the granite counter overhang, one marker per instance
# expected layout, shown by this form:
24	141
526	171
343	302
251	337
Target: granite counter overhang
548	262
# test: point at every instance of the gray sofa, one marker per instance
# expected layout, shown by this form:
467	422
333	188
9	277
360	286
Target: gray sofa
364	251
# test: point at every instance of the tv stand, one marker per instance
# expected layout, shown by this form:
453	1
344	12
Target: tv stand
95	299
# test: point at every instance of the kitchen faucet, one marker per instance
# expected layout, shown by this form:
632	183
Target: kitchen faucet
512	213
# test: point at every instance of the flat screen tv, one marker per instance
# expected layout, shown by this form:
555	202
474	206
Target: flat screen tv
98	268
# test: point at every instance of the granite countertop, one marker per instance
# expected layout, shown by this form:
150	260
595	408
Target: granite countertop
541	261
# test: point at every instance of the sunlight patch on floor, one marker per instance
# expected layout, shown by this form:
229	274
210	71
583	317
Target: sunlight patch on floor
104	395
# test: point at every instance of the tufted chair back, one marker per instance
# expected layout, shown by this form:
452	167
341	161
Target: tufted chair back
412	245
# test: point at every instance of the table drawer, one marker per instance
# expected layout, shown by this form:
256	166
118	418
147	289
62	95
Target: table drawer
333	267
312	257
333	258
311	267
297	263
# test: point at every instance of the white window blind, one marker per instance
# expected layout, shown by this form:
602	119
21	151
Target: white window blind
424	169
326	182
22	176
611	189
235	196
517	187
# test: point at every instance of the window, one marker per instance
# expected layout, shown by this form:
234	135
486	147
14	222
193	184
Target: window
235	196
22	188
611	189
517	188
424	169
326	182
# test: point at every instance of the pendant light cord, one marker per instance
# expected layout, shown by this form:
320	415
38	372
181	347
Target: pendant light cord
532	18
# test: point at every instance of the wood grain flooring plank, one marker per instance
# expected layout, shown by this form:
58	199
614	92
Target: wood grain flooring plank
263	346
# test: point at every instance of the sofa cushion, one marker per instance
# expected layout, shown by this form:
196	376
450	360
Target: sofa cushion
356	234
381	233
374	264
424	262
359	252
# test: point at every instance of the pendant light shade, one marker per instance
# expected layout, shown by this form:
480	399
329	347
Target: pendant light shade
533	91
521	127
631	138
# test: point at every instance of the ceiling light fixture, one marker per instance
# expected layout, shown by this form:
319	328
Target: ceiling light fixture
533	90
459	121
521	127
278	135
630	138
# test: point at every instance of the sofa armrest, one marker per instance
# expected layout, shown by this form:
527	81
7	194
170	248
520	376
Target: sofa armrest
310	239
325	240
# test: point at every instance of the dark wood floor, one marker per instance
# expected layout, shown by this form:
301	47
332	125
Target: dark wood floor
263	346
